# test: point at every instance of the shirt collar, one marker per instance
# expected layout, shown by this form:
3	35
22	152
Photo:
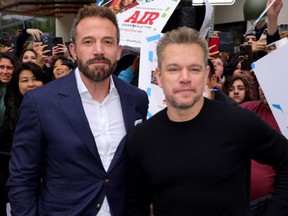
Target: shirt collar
82	88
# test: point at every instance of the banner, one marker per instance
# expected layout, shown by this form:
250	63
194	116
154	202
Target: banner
133	23
271	72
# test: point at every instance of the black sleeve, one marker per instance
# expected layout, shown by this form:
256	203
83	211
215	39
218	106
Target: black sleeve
273	38
139	196
21	39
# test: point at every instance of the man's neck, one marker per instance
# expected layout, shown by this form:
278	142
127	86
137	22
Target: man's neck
98	90
182	115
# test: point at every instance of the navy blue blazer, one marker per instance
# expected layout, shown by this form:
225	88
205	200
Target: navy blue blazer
55	168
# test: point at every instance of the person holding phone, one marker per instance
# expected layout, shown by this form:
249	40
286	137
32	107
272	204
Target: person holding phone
59	48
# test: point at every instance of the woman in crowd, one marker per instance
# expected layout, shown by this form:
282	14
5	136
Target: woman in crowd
28	55
61	67
28	76
238	89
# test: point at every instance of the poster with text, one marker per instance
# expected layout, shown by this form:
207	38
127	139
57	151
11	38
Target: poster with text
272	74
149	16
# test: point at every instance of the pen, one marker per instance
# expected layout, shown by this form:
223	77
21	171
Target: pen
214	90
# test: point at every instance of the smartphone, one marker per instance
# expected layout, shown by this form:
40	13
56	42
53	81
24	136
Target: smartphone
245	57
214	41
57	40
12	42
47	40
225	37
226	41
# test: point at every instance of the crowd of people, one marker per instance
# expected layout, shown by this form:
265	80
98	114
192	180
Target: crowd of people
75	139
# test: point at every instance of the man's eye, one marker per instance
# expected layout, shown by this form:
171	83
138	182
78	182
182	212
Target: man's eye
108	42
172	69
195	70
87	42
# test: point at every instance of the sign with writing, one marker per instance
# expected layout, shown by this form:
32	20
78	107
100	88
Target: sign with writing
149	16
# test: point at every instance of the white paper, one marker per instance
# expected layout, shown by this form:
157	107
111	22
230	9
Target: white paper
272	74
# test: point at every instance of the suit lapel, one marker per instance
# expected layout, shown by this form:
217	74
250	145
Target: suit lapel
128	110
70	102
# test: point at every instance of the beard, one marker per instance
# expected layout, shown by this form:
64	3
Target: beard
183	106
97	73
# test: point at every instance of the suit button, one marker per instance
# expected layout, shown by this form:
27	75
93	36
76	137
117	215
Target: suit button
107	180
98	206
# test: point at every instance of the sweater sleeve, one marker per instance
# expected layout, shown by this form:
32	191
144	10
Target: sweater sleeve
21	39
270	147
139	196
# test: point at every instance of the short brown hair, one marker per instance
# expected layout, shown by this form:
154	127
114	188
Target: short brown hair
93	11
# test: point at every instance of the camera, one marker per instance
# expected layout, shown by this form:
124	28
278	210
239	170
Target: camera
245	56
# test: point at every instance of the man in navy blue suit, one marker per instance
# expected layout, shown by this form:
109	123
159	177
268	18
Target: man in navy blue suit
68	153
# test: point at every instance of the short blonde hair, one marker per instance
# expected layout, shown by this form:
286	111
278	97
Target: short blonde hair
181	35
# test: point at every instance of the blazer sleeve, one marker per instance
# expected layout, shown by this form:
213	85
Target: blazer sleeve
25	164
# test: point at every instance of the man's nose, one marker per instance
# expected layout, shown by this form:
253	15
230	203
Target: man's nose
184	75
98	48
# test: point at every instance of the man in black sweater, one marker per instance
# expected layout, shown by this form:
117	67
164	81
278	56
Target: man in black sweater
193	157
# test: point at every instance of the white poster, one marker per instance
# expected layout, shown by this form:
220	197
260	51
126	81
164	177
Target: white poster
147	79
272	74
149	16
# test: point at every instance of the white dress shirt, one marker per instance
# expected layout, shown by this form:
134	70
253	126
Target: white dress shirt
106	123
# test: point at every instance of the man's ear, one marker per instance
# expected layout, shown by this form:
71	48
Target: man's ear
158	76
72	49
119	52
207	71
